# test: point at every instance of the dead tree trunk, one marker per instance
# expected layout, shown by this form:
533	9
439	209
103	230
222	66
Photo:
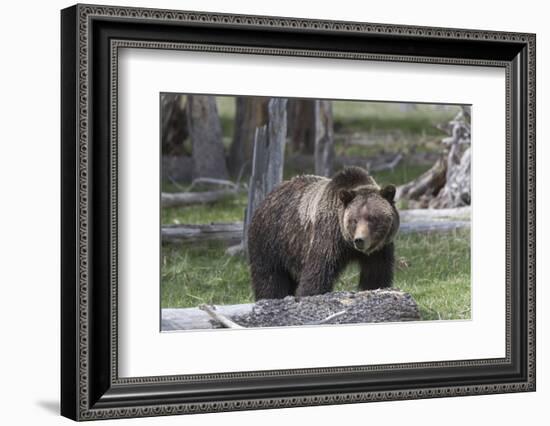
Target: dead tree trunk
173	124
456	192
447	183
276	129
310	132
324	138
206	137
426	186
251	113
267	163
301	125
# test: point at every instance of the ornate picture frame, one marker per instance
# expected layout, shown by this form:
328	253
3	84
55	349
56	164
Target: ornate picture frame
91	37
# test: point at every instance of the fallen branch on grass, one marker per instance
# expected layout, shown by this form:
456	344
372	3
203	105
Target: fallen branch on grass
213	181
390	165
222	319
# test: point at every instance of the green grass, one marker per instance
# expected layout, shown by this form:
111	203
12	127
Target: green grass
434	268
356	116
402	174
230	209
202	274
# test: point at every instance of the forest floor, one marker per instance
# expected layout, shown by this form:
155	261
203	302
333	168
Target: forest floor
434	267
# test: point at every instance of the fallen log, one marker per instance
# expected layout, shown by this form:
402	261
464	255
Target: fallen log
230	233
458	213
373	306
433	226
182	199
174	319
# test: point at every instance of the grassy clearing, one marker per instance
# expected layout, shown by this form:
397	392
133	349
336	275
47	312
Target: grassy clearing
437	274
229	210
202	274
388	116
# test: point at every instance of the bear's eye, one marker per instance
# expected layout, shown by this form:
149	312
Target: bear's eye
353	222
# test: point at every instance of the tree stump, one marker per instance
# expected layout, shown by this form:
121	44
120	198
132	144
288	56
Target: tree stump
268	159
447	183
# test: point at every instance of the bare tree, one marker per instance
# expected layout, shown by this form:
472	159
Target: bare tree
251	113
301	125
310	131
324	138
206	137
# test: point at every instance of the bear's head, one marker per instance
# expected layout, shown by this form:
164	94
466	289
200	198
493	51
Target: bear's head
369	219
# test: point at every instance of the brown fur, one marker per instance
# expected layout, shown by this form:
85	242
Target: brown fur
308	229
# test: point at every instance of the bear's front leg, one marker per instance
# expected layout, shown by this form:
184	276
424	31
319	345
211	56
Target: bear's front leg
271	283
317	278
377	269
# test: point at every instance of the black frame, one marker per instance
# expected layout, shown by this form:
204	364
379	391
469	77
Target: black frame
90	386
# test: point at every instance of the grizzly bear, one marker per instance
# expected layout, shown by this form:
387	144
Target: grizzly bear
309	228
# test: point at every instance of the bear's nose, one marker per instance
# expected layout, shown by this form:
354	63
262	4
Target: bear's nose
359	243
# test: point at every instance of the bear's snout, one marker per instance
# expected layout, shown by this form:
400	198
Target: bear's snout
361	236
370	233
359	243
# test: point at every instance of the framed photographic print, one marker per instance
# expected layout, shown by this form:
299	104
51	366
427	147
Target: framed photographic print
263	212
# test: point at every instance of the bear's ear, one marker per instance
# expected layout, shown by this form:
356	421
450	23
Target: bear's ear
388	192
346	195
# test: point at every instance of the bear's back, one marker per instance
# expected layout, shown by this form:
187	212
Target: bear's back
283	222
